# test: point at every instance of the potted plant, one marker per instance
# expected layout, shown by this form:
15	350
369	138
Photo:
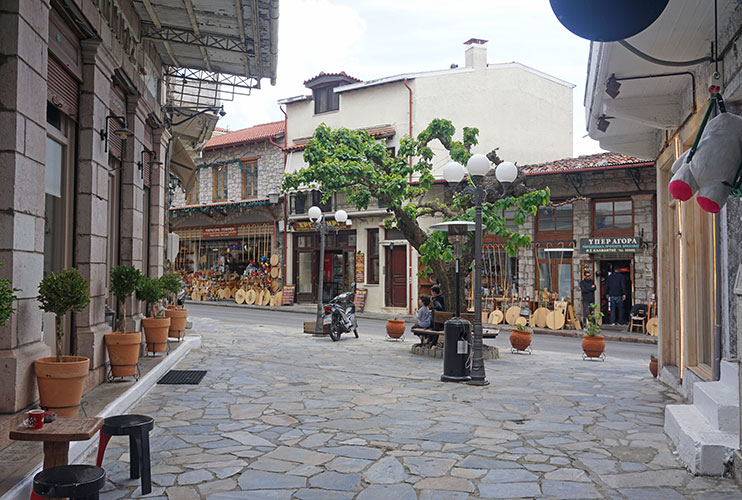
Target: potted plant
593	344
395	327
653	365
156	327
520	337
7	297
172	284
61	378
123	347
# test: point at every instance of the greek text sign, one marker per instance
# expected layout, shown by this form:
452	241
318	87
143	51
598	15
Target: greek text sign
609	245
219	231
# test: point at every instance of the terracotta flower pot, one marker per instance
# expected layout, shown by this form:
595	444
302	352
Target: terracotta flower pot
395	328
178	318
653	367
593	346
123	352
61	384
520	340
155	333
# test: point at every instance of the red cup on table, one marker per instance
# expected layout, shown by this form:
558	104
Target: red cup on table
34	419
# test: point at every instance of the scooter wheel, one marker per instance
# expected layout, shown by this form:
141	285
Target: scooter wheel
335	332
355	330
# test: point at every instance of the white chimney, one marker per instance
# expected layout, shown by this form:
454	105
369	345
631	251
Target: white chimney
476	53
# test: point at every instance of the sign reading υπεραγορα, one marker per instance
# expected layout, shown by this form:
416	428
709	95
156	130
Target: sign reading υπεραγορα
610	245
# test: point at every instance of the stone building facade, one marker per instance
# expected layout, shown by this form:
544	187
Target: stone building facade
582	188
232	222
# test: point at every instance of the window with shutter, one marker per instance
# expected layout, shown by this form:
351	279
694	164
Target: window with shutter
249	179
220	183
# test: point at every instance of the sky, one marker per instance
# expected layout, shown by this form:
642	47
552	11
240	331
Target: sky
369	39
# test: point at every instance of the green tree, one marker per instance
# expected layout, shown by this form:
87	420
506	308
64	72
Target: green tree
172	284
124	282
151	291
354	163
60	293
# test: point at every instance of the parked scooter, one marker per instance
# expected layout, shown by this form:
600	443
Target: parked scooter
340	315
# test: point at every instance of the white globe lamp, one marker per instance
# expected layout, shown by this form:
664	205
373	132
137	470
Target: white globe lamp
506	172
478	165
341	216
315	214
453	171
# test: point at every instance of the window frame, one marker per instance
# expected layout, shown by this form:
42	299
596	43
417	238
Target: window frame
192	195
215	185
613	230
331	102
249	166
552	233
373	252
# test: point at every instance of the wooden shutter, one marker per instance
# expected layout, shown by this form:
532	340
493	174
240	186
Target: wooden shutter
62	89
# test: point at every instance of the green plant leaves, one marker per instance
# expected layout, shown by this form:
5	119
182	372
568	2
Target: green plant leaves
64	291
124	281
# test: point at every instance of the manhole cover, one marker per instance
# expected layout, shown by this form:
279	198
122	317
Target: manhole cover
191	377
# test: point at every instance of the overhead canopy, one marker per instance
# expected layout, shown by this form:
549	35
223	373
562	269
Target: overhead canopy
232	43
182	165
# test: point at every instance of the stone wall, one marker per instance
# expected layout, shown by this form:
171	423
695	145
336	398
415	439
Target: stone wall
270	172
734	246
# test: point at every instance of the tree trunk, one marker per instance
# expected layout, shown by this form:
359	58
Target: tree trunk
59	332
122	321
445	273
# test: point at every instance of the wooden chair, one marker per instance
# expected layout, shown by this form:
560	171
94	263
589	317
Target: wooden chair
638	318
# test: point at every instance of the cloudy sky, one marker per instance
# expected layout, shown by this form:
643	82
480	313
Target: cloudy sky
374	38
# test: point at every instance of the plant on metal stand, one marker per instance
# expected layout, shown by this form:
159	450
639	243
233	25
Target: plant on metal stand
593	344
156	327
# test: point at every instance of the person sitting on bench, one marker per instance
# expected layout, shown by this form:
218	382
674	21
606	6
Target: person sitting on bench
424	318
438	304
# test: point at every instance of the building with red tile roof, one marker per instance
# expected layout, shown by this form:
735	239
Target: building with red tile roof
256	133
598	161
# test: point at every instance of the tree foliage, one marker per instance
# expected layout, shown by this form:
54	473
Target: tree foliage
172	284
124	282
60	293
7	297
151	291
354	163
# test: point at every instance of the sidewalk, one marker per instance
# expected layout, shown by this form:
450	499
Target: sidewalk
613	334
283	415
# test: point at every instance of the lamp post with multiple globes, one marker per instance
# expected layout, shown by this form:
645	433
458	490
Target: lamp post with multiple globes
478	166
320	223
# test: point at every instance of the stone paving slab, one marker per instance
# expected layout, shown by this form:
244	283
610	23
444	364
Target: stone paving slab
284	415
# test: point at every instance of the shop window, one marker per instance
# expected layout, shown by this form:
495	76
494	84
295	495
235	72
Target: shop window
249	179
373	257
613	217
557	218
499	271
325	99
220	183
192	195
555	270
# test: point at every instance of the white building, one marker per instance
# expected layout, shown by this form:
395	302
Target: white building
524	112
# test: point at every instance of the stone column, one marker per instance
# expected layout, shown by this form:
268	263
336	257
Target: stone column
644	268
91	220
527	261
581	228
24	25
158	207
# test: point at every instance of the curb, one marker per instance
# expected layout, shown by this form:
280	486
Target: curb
78	449
611	338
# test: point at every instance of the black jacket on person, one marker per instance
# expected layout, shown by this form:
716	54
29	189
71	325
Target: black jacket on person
615	285
437	304
587	287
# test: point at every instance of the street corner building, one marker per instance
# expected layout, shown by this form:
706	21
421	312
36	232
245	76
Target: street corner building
102	105
639	105
478	94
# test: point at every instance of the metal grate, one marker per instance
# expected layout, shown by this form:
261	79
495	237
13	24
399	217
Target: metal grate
191	377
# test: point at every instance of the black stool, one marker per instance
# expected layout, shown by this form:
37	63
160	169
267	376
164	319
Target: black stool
137	427
78	482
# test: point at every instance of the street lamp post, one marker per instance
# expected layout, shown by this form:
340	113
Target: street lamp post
506	172
320	223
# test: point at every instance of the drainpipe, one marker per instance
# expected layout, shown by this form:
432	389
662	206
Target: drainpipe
285	211
409	245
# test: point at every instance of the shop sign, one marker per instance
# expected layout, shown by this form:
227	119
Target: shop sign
359	267
609	245
219	231
306	225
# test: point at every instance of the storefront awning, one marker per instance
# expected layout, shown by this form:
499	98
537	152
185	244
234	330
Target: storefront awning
182	165
223	45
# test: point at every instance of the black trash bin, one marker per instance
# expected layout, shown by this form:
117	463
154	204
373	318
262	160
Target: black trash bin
456	354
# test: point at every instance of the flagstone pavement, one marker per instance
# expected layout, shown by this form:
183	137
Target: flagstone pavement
281	414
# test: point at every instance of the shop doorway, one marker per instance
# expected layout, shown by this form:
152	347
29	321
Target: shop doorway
396	280
625	267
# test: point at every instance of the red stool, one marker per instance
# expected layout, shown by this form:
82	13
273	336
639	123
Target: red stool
137	427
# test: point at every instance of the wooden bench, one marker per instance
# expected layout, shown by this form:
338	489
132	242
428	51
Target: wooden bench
442	316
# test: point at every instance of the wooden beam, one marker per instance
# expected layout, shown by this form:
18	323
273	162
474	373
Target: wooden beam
256	39
241	24
156	21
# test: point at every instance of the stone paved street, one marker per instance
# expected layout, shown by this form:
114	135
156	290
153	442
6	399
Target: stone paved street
281	414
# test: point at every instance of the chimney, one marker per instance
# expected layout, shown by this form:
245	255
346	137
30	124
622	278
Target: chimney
476	53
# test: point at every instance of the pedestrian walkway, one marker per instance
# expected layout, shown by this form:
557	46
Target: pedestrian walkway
281	414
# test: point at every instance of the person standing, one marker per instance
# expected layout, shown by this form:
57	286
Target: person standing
587	287
615	289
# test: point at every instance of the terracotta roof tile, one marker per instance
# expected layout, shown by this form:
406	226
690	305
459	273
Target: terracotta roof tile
342	73
246	135
599	161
